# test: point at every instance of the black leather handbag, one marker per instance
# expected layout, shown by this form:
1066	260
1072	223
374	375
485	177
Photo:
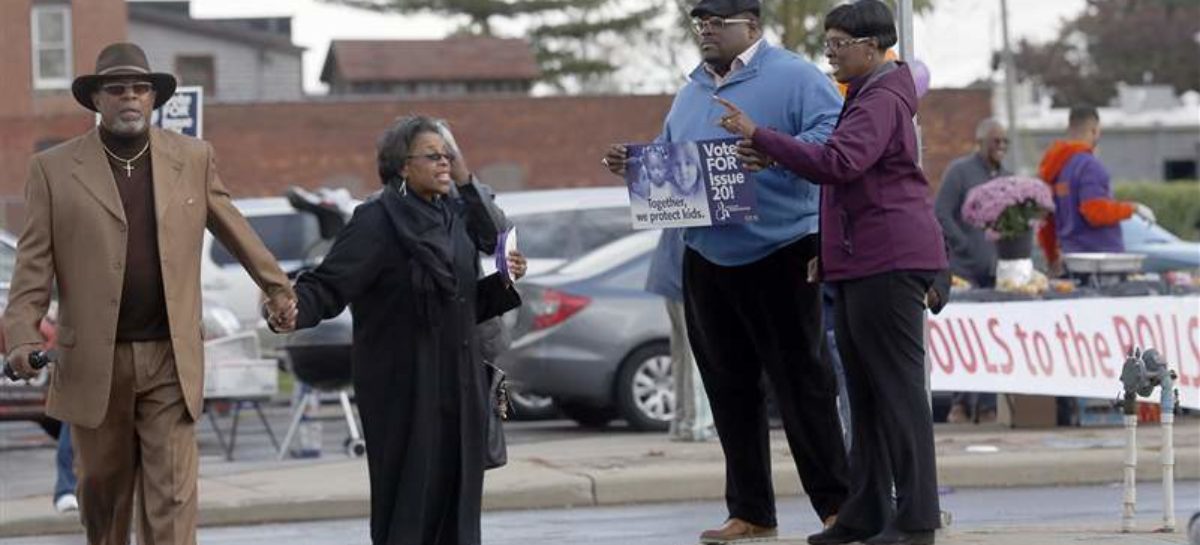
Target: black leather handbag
495	450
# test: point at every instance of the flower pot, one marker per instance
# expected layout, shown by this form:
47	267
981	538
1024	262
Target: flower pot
1018	247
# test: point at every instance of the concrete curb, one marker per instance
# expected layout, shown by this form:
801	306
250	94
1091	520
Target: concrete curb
302	493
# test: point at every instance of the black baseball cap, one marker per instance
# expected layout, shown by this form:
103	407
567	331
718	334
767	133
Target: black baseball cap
725	8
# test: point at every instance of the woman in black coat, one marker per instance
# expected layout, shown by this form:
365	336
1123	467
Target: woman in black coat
408	266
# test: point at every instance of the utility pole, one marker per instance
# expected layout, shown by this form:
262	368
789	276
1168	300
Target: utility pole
1010	99
905	17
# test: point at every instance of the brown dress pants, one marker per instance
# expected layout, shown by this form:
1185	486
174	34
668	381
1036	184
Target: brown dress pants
146	444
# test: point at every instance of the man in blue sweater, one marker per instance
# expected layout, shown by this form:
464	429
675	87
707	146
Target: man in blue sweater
748	307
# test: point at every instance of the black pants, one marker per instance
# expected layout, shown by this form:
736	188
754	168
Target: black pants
760	317
880	323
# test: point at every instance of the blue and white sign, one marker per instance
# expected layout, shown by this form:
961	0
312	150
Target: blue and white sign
184	113
688	184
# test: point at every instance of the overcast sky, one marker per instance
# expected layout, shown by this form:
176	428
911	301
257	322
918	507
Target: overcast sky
955	40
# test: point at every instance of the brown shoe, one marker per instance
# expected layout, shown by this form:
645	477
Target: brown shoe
736	530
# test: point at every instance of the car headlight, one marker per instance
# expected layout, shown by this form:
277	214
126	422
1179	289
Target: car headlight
219	322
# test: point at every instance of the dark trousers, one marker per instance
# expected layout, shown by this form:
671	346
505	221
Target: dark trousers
880	324
760	317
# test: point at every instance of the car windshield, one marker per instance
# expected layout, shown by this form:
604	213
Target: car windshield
612	254
289	237
544	235
567	234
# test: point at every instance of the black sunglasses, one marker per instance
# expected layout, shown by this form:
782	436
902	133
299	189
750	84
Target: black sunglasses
436	157
116	89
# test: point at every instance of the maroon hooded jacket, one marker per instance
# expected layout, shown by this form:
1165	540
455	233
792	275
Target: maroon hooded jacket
876	209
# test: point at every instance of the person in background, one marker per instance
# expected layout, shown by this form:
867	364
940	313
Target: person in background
972	255
1086	217
881	249
494	336
65	481
693	416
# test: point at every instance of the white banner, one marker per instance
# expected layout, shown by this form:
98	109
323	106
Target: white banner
1065	348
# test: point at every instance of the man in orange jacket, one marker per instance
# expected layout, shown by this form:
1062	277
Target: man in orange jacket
1086	217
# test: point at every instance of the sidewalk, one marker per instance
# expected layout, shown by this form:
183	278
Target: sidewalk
621	468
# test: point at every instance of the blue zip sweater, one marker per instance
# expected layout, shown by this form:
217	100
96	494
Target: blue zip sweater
780	90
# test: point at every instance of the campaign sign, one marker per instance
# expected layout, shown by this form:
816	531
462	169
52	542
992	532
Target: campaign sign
1067	347
184	113
688	184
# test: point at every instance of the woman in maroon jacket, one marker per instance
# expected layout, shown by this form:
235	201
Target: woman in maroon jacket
881	248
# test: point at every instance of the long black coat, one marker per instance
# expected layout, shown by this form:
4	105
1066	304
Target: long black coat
418	377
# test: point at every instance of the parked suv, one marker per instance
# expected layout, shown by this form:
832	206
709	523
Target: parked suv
290	235
557	225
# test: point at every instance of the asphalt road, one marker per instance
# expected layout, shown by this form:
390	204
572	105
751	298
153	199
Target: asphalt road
679	523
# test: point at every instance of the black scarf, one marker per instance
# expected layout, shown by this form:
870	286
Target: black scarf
425	230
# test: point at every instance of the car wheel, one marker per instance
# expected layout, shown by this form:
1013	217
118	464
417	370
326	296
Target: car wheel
531	406
645	388
587	416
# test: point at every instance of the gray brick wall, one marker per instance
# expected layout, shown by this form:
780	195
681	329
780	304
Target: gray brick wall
244	73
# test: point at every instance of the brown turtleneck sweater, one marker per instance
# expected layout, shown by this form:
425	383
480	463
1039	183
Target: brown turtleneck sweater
143	315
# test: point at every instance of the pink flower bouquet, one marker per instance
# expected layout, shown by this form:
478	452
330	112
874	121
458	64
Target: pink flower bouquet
1007	207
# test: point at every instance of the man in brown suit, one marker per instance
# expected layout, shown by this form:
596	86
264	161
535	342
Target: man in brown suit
116	216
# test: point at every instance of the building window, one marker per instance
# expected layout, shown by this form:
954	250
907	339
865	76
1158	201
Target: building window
50	29
197	70
1179	169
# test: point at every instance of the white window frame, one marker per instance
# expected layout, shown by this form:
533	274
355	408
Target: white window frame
36	47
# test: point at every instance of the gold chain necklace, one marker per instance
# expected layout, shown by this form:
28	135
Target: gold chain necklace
128	162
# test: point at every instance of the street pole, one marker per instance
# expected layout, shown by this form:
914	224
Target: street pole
1010	101
904	18
904	10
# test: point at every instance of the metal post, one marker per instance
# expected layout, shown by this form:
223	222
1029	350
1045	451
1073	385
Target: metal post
1130	476
1010	101
904	18
1168	451
904	9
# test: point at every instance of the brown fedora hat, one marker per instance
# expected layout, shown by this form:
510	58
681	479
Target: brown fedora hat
122	60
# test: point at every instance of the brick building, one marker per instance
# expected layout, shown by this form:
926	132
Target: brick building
513	142
47	44
455	66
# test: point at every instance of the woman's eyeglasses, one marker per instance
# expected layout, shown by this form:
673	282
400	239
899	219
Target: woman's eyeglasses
716	24
140	88
436	157
837	44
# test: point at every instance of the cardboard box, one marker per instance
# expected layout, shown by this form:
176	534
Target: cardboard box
241	378
1028	411
233	368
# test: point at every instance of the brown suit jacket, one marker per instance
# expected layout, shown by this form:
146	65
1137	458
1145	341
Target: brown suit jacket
75	232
